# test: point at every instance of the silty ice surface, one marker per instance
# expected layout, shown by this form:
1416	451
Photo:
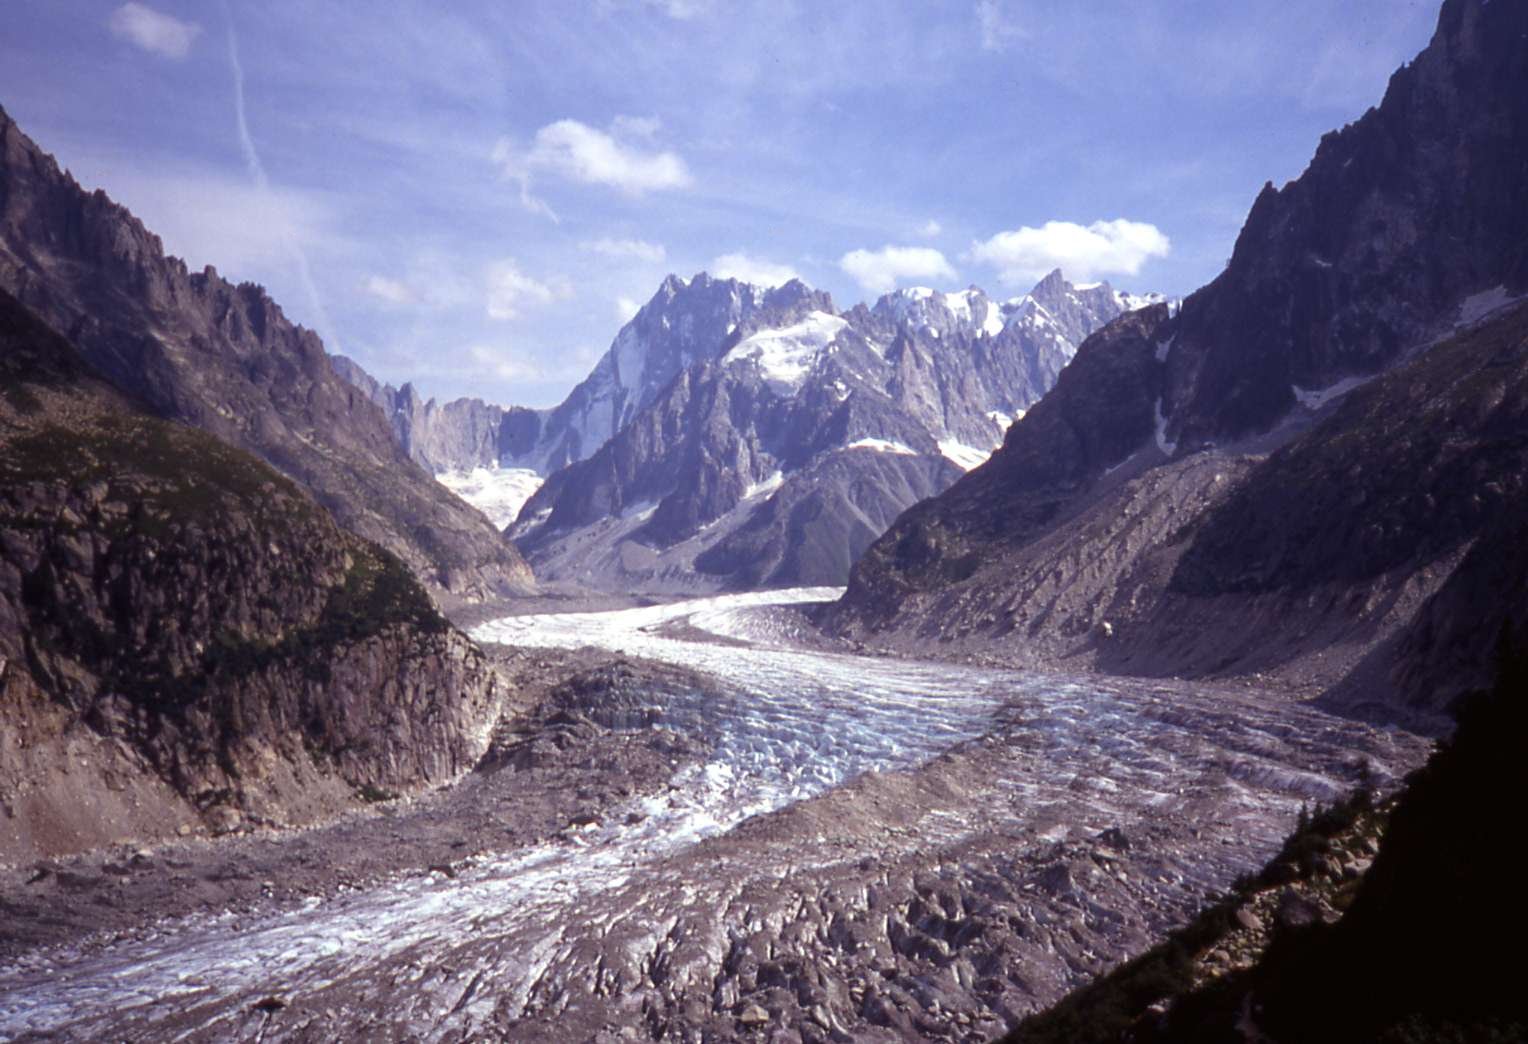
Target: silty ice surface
874	846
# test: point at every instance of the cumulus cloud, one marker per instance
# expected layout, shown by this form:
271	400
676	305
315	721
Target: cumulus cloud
636	249
753	270
997	29
511	291
1118	247
879	271
575	151
626	309
153	31
931	229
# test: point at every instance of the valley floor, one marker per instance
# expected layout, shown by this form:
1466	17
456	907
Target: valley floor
809	843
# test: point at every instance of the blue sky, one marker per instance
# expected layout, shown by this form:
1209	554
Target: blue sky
475	196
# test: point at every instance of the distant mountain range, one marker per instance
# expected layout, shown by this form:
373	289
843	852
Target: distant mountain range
738	436
1316	467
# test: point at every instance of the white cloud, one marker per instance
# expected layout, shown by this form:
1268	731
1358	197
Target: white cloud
626	309
511	291
879	271
997	29
931	229
578	152
637	249
753	270
393	291
1118	247
154	32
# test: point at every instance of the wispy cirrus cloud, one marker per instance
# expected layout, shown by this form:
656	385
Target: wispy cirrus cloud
577	152
633	249
262	182
1118	247
881	271
153	31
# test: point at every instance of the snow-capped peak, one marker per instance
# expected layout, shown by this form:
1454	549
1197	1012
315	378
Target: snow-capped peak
786	355
967	311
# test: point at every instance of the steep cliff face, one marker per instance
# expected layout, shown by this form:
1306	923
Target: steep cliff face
1399	217
185	635
1110	528
449	436
195	348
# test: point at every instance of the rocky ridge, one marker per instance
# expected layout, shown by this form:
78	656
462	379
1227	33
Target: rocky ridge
187	640
195	348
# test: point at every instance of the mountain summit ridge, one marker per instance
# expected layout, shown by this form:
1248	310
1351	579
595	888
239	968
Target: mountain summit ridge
777	455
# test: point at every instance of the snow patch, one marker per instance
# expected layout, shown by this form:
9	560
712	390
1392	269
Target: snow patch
1314	399
1002	419
498	493
767	486
883	446
1135	302
1477	306
786	355
1163	444
960	305
962	456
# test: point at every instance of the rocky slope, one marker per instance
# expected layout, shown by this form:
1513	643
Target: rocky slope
1112	528
186	637
778	456
224	358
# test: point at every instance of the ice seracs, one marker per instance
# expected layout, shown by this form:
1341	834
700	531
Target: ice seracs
497	492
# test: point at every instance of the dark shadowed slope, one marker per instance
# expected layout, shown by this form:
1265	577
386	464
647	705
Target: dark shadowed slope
186	637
